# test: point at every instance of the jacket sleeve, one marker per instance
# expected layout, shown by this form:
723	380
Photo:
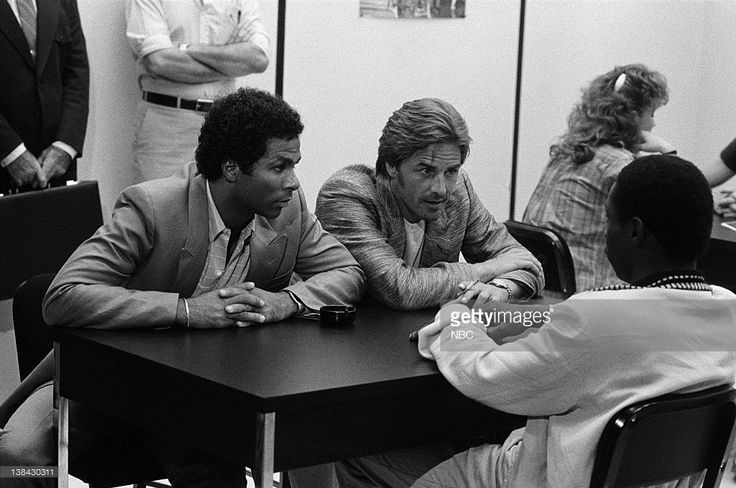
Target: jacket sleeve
330	274
347	209
90	289
486	239
541	374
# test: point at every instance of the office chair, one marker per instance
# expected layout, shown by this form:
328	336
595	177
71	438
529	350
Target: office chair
551	250
39	230
667	438
128	463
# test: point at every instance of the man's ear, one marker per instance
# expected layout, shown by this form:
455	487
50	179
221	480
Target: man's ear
391	170
230	170
637	231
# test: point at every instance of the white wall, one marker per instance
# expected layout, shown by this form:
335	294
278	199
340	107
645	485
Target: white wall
346	75
570	42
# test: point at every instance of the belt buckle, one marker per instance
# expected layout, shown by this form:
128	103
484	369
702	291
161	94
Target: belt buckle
202	105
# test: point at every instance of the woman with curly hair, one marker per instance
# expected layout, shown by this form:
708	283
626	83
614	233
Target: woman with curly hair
606	129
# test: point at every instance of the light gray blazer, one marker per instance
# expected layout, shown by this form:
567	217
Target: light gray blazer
358	208
133	270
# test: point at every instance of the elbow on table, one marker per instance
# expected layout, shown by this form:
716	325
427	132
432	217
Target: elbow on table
55	313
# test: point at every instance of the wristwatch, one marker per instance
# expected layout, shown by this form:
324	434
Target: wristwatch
501	284
183	46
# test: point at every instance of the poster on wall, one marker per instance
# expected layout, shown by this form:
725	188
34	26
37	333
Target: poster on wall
413	9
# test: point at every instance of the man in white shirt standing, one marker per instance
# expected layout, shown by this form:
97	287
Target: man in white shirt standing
187	54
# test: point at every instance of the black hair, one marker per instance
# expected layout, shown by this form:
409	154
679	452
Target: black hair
238	128
672	198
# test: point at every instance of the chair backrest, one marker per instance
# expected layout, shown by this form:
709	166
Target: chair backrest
667	438
39	230
551	250
32	335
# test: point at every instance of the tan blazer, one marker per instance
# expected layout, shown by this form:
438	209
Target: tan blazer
133	270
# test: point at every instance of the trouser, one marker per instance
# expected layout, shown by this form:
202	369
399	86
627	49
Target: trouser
165	139
431	466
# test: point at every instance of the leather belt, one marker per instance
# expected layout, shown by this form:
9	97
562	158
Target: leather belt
199	105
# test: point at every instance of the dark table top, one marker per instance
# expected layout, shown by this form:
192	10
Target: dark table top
336	392
722	233
283	365
719	262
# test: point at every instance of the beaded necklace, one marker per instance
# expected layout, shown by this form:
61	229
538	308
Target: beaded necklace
678	280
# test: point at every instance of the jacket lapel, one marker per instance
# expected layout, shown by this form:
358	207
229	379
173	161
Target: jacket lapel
10	27
48	18
394	221
267	250
193	255
436	245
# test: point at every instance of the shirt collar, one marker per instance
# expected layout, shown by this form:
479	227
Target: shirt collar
215	221
216	224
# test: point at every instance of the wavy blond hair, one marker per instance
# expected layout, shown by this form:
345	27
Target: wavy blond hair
416	125
606	115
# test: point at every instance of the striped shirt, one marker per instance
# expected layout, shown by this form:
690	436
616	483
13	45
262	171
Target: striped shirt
571	199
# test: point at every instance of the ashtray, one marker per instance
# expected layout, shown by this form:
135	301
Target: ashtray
337	315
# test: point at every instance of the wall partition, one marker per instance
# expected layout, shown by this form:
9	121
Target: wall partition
569	42
346	74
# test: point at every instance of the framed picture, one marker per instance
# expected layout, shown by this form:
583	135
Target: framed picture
413	9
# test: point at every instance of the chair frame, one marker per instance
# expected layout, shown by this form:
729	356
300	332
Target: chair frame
528	235
33	342
670	437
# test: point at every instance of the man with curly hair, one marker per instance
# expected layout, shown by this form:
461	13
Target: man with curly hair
214	246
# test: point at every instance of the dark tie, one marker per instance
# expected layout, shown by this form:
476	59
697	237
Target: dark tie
27	12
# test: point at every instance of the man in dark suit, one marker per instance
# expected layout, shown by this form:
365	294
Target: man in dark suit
45	92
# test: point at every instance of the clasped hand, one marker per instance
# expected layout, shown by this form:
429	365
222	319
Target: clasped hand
27	170
239	305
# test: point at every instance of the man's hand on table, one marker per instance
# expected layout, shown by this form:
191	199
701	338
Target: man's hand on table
512	260
258	306
210	310
726	206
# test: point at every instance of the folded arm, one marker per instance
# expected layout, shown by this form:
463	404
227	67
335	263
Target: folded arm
540	374
203	63
348	212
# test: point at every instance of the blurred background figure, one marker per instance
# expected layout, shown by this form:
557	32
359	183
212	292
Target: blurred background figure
719	171
187	54
611	123
45	97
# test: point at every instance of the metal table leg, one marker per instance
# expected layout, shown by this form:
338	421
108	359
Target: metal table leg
265	428
61	414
